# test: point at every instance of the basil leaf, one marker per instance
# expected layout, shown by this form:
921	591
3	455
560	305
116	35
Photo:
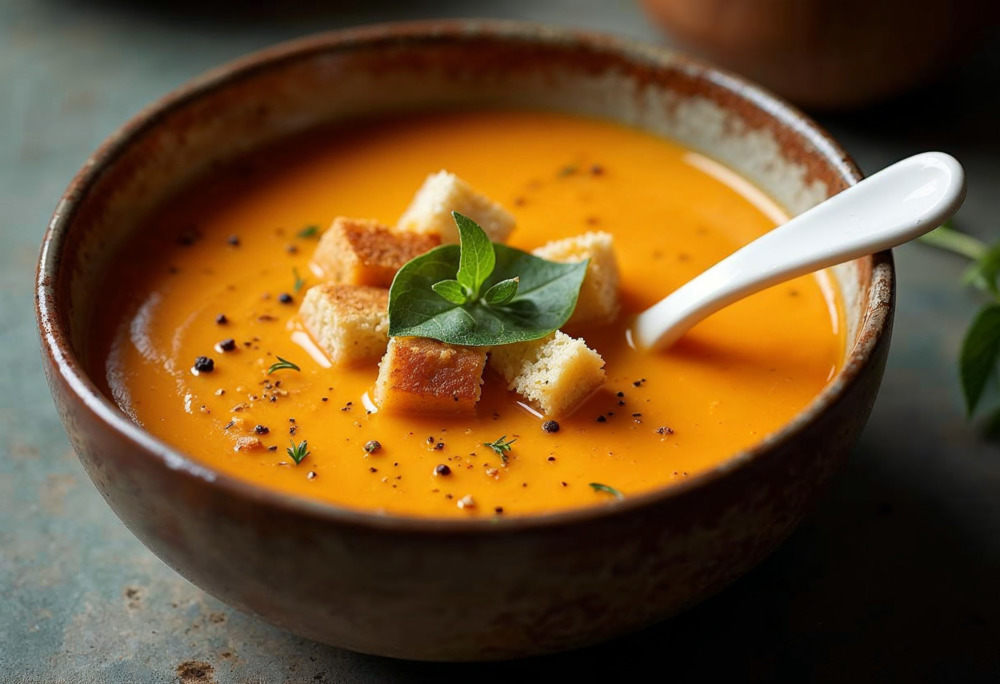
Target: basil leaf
545	298
451	290
980	352
502	292
477	257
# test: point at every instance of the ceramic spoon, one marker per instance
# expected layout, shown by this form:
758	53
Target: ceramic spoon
893	206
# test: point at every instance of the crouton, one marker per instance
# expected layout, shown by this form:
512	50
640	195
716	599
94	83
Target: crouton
349	322
363	252
556	373
598	300
443	193
423	375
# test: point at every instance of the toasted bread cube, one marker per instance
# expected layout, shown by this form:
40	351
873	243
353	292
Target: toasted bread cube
556	373
349	322
421	375
443	193
363	252
598	300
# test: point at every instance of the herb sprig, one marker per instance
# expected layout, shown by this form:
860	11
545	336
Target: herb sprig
282	364
298	452
308	232
607	489
501	447
482	294
299	281
980	353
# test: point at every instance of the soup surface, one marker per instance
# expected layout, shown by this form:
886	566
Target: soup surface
233	244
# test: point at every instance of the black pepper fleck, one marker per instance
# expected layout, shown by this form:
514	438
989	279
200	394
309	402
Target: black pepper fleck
601	419
203	364
261	429
221	319
226	345
439	446
373	445
285	298
550	426
442	469
233	240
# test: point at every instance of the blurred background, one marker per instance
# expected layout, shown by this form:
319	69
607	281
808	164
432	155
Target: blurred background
894	579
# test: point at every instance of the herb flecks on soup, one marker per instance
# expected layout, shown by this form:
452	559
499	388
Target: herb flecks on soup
208	350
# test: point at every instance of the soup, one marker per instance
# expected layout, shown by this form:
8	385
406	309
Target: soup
229	259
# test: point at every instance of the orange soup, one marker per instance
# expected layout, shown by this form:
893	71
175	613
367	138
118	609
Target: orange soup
223	260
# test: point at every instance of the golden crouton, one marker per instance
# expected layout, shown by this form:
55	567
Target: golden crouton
363	252
556	373
349	322
598	300
423	375
443	193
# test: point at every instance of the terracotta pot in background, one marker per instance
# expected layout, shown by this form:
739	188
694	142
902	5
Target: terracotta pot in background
829	53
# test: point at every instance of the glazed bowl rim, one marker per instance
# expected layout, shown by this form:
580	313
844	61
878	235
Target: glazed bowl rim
55	338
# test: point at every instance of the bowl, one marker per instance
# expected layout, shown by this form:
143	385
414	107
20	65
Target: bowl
830	55
443	589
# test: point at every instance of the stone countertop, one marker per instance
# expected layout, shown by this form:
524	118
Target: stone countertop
894	579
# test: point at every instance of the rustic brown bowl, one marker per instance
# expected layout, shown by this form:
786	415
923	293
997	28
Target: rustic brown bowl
450	589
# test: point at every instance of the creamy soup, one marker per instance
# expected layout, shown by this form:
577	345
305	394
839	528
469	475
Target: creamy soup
222	260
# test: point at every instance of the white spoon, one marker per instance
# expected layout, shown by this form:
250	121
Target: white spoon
893	206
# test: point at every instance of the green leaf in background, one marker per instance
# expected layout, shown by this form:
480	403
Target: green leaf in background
545	297
451	290
502	292
980	352
984	271
947	238
477	258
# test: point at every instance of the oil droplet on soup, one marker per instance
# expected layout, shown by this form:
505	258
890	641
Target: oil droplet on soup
218	273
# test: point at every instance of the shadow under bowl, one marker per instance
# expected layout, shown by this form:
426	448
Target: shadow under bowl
450	589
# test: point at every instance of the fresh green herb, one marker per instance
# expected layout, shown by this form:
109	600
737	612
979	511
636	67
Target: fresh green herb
298	452
980	354
308	232
299	281
502	292
437	294
282	364
500	447
568	170
598	487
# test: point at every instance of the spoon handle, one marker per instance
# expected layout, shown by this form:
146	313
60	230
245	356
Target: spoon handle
897	204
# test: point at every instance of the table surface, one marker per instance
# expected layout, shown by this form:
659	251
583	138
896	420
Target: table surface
894	578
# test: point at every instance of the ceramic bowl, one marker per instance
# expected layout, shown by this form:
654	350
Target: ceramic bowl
450	589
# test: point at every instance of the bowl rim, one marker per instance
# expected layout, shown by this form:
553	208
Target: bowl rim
64	361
